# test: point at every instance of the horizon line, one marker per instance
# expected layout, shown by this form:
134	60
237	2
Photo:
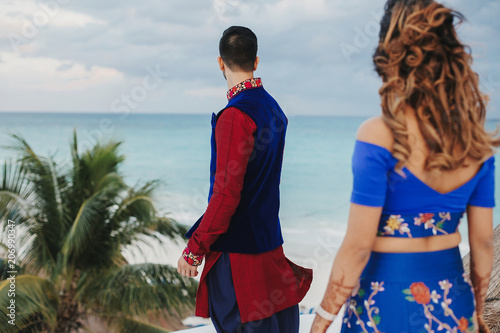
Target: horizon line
494	118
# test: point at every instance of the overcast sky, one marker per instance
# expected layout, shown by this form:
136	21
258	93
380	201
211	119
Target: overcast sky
159	56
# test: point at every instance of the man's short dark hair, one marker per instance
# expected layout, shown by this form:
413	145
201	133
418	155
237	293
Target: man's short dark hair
238	48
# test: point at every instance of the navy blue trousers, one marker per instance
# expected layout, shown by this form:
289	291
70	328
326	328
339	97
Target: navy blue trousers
224	309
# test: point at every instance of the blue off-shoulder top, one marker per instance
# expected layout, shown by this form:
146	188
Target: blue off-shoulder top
411	208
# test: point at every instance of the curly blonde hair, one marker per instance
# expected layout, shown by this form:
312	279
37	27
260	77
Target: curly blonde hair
424	66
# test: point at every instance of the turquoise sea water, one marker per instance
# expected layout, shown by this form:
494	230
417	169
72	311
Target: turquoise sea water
316	179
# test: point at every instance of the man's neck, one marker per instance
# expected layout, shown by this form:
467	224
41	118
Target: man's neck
233	78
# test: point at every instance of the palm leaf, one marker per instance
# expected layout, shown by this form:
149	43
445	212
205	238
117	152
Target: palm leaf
15	194
97	163
46	208
168	227
136	290
35	299
57	190
80	235
136	217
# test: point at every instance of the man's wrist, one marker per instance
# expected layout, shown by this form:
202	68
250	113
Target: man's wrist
191	258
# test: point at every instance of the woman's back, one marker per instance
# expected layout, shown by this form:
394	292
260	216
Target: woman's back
421	208
441	181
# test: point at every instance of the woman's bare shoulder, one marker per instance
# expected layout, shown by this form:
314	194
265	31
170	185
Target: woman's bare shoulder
375	131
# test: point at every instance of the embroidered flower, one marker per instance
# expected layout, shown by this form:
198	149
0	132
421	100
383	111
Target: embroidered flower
403	229
435	297
445	284
420	292
367	303
463	324
426	218
388	231
377	286
429	224
394	222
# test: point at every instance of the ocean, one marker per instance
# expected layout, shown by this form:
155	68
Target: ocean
315	185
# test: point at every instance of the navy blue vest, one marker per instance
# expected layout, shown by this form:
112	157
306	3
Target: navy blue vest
255	226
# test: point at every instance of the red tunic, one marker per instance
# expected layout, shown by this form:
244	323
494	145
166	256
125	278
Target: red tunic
264	283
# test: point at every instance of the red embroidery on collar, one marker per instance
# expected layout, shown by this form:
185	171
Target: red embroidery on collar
254	82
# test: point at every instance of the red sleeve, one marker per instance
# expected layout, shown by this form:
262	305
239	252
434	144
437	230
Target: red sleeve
233	137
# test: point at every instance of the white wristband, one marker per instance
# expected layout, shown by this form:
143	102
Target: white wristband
325	314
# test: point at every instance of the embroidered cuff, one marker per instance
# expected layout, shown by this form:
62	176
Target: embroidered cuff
191	258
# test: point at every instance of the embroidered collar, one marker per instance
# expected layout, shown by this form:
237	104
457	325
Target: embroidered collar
254	82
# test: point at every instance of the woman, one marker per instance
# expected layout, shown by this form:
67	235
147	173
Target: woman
417	168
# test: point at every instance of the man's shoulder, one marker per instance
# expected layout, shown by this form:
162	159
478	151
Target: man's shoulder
236	116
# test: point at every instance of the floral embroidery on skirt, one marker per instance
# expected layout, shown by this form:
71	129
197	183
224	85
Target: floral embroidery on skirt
412	293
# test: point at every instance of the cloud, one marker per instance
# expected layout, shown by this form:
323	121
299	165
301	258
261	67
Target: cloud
302	45
50	74
26	17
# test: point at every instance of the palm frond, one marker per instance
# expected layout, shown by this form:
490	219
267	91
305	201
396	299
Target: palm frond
138	202
136	217
135	290
81	232
168	227
46	185
20	145
57	190
36	254
35	300
15	194
102	160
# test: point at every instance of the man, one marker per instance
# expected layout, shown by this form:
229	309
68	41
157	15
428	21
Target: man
247	284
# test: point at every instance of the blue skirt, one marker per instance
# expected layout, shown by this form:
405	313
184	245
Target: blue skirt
412	293
224	308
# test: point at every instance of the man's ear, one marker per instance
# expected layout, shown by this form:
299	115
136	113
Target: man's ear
221	63
257	59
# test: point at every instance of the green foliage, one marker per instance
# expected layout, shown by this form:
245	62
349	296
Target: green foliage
73	221
35	299
409	295
407	291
